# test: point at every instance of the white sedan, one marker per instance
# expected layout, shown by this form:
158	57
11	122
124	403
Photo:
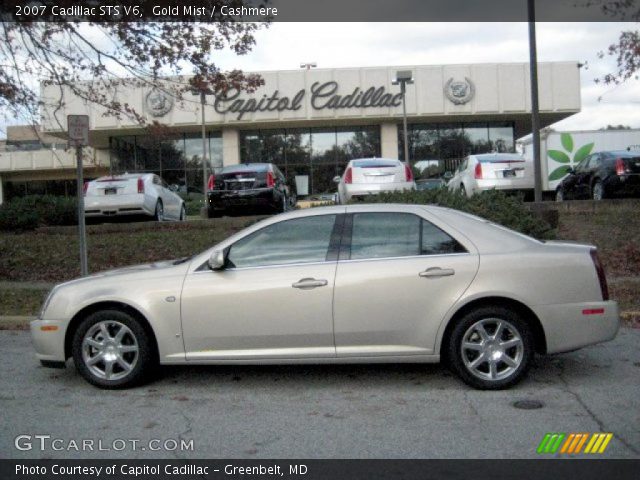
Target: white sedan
342	284
132	194
369	176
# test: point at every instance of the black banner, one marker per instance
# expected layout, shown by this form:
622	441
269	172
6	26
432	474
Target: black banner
581	469
319	11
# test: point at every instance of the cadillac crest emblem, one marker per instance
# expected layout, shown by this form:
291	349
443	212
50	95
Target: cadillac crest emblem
158	103
459	92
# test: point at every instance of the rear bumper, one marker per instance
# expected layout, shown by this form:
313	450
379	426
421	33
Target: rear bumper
49	344
224	200
503	184
114	205
624	185
575	325
362	190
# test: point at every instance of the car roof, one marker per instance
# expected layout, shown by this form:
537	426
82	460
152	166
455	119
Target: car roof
623	153
496	156
246	166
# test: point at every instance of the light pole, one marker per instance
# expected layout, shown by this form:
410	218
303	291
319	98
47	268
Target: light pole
203	92
535	112
404	78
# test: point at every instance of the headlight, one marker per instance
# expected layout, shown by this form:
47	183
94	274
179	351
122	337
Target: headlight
47	301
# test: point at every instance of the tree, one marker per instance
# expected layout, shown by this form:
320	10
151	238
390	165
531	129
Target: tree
92	60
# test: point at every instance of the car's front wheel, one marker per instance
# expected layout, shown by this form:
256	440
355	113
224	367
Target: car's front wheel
183	213
491	348
111	349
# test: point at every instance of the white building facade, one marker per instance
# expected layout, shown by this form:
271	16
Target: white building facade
312	122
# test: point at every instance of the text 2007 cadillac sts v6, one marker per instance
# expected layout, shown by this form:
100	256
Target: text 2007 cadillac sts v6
345	284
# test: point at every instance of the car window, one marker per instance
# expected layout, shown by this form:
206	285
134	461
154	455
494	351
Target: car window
584	164
301	240
387	235
380	235
437	242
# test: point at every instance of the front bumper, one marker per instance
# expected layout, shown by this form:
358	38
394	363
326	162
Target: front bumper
48	339
576	325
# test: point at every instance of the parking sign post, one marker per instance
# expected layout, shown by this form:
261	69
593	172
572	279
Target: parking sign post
78	130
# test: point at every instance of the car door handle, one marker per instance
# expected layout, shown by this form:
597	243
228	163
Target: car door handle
309	283
436	272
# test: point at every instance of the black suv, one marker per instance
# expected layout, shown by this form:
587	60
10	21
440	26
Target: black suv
602	175
250	186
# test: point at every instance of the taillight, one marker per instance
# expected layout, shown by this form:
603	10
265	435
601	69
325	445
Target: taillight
478	171
211	183
602	279
408	173
140	185
271	181
619	166
84	189
348	176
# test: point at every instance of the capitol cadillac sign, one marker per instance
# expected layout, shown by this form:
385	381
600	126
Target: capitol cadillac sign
322	96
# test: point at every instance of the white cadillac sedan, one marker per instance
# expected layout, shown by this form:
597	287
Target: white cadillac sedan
132	194
493	171
342	284
369	176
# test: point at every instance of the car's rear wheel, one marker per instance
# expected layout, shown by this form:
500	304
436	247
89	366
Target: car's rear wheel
597	191
183	213
491	348
159	216
559	195
463	190
111	349
285	203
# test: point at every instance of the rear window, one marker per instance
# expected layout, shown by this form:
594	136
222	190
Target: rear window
502	160
374	163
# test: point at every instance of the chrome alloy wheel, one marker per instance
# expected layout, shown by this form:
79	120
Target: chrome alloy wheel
492	349
110	350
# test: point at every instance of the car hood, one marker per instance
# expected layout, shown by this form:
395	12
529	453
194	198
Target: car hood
156	267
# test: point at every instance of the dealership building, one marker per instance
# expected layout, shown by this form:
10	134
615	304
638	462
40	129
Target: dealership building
308	122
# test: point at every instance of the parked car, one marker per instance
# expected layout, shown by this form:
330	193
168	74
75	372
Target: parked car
430	184
341	284
249	186
369	176
132	194
489	171
602	175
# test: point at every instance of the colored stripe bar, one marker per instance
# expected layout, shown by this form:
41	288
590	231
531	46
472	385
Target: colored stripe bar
604	445
567	443
543	443
582	442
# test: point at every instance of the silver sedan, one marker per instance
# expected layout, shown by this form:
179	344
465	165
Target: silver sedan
345	284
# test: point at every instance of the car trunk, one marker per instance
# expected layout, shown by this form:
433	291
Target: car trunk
244	180
505	168
631	165
379	172
113	186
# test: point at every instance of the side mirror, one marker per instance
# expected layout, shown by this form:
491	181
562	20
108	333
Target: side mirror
336	179
216	260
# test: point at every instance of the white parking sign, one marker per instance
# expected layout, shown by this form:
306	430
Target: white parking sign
78	127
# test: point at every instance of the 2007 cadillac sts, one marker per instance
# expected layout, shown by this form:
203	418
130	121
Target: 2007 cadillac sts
345	284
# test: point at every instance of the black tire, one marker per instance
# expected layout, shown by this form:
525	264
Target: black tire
183	213
284	204
597	191
463	190
505	376
143	367
159	213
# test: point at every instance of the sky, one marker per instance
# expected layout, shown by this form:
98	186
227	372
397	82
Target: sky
285	45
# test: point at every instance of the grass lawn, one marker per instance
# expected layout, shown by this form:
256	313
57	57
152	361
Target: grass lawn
51	255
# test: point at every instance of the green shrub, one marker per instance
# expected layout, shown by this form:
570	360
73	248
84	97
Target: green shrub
30	212
507	210
193	205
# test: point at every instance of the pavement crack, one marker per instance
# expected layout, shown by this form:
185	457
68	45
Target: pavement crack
601	426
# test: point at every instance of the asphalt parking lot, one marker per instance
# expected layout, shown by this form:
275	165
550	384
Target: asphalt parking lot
368	411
